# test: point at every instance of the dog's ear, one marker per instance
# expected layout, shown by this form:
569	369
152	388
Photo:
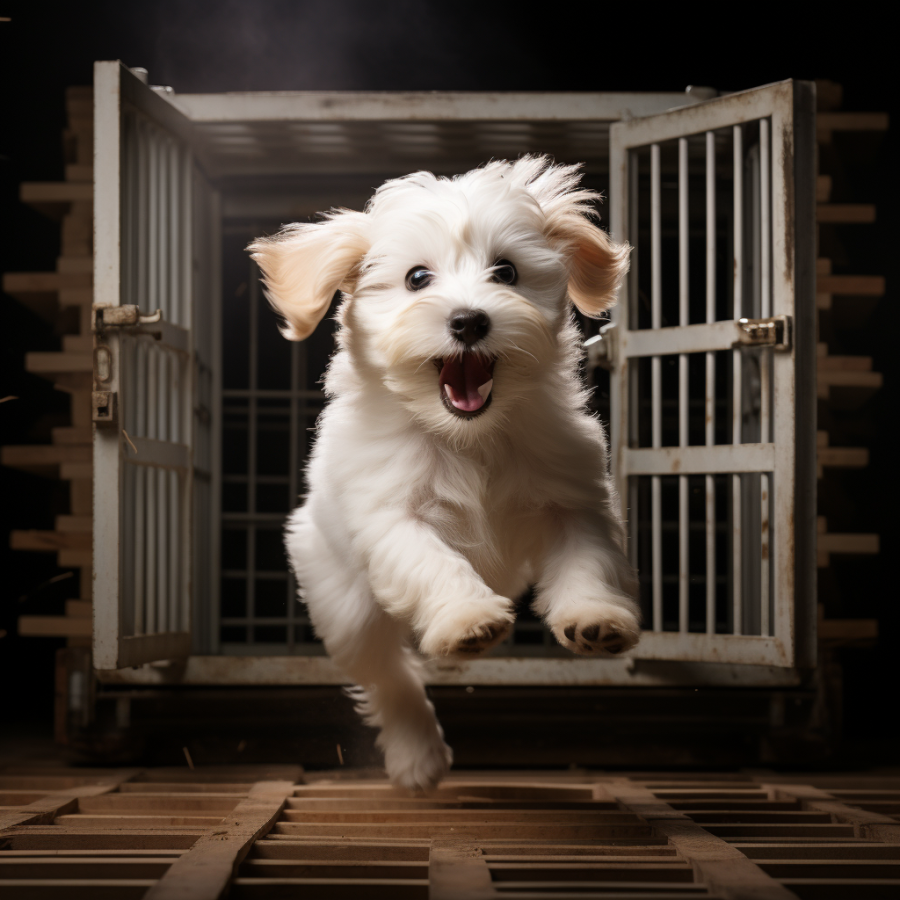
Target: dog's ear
305	264
597	264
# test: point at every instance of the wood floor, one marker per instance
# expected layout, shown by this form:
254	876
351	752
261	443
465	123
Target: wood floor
272	832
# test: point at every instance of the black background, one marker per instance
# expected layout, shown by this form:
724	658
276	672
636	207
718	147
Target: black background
342	45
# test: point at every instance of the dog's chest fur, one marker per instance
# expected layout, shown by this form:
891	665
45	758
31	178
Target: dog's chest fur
486	510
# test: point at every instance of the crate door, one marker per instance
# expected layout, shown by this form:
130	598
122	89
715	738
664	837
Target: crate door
713	431
148	377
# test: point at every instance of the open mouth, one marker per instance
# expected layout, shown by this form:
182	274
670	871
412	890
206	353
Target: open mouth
465	383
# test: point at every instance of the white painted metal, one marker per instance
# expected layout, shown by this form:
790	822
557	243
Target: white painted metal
786	450
710	396
143	463
765	363
683	392
737	363
656	383
561	672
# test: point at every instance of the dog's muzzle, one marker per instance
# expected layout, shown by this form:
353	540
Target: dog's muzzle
466	378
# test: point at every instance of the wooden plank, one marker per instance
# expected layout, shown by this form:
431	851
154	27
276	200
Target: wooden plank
326	868
69	435
847	629
74	524
508	830
823	188
857	850
102	839
22	284
80	867
845	213
75	172
457	869
69	889
870	825
44	459
845	363
55	626
723	869
49	541
207	870
54	803
333	889
851	285
49	363
100	820
852	121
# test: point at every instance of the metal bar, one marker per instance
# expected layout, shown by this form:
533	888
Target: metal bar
721	459
710	410
628	431
251	448
367	106
765	362
656	382
152	501
190	392
294	463
215	286
140	477
683	393
736	381
177	299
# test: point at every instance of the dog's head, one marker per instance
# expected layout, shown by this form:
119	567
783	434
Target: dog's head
456	290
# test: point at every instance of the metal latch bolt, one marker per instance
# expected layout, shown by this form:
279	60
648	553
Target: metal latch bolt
772	332
601	348
124	316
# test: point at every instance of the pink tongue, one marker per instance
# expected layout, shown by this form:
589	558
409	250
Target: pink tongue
465	374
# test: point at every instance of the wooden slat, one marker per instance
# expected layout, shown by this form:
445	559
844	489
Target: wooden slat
722	868
55	626
457	869
845	213
54	803
207	870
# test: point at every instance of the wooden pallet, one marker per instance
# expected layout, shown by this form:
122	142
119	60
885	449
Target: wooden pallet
256	832
54	295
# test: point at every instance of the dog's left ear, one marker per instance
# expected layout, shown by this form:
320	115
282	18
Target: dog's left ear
597	264
305	264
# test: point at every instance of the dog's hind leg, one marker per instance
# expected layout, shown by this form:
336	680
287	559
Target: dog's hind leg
370	647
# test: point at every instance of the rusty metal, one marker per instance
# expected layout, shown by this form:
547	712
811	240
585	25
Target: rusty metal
104	408
774	331
124	316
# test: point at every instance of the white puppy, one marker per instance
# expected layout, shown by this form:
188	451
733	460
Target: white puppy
456	463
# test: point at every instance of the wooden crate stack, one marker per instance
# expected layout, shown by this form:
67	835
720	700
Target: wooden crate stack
844	382
64	298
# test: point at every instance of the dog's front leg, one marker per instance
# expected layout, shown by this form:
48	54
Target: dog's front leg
585	593
417	577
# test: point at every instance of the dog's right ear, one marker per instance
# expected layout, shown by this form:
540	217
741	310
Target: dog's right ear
305	264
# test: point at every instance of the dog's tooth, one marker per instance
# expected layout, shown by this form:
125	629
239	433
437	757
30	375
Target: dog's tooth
448	392
485	389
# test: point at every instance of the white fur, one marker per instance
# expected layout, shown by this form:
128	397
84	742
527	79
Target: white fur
421	528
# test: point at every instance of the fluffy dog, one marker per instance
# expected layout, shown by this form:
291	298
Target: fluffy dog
456	463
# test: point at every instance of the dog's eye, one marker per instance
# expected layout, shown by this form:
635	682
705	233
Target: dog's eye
418	277
504	272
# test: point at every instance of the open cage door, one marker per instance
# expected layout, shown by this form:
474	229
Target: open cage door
154	279
713	360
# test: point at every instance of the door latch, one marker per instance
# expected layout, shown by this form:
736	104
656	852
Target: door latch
104	407
601	348
772	332
128	315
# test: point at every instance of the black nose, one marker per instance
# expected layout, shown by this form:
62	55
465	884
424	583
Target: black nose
469	325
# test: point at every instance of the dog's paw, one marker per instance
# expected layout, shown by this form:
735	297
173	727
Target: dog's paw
416	763
467	629
598	627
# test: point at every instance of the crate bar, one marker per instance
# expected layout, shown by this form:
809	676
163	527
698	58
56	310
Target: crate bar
656	383
293	462
765	360
188	586
719	460
683	321
628	432
251	448
736	363
710	397
700	338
